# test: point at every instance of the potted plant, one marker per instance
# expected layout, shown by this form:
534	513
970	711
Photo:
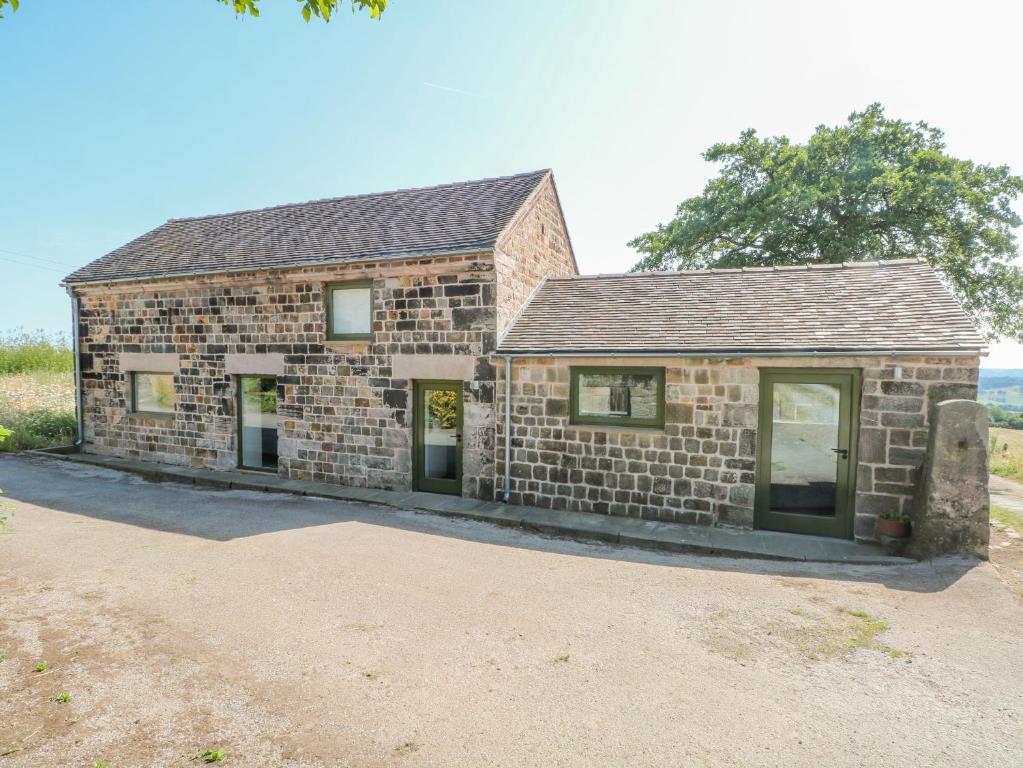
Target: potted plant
893	524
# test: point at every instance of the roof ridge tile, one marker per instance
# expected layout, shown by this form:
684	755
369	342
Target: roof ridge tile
360	196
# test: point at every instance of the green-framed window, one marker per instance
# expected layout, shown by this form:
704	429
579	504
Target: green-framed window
152	392
349	311
617	396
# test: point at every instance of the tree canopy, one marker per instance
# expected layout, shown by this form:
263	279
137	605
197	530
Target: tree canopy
321	9
875	188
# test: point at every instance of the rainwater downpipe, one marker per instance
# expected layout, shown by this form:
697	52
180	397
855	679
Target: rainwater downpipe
507	427
75	348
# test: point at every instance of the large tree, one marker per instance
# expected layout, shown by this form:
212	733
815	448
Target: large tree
321	9
875	188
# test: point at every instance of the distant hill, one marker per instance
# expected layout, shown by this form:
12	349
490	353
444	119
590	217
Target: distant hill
1001	390
1002	387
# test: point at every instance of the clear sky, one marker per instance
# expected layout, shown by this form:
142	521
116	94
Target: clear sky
117	116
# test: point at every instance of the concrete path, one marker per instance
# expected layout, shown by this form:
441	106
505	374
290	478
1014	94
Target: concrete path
1006	493
650	534
302	632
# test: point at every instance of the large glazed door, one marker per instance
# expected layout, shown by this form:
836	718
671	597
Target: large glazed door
257	422
806	457
438	420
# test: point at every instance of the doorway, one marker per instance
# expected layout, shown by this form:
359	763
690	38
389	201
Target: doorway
257	423
806	457
437	461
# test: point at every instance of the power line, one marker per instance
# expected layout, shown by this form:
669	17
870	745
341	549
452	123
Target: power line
37	258
37	266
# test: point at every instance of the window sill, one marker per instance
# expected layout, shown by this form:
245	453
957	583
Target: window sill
355	341
616	428
351	337
154	415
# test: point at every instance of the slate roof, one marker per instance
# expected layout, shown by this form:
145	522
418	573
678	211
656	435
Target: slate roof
887	306
450	218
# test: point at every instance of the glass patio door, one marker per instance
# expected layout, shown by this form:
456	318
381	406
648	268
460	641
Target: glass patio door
257	422
806	459
438	444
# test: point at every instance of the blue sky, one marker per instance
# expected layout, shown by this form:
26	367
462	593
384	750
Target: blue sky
117	116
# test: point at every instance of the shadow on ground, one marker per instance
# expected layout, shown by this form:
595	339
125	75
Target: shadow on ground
222	515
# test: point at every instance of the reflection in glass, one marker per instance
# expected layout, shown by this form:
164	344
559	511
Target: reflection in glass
621	395
804	468
154	392
259	422
351	311
440	434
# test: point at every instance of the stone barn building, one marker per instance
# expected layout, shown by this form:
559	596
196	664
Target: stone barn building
397	340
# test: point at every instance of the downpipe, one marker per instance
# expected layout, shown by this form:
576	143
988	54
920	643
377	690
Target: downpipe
76	351
507	427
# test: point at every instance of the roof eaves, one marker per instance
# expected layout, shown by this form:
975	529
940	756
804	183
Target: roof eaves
745	352
483	248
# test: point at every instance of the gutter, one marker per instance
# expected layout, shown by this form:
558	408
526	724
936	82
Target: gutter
76	344
958	352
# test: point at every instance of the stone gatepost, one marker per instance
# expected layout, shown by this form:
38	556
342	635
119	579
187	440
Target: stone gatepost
951	508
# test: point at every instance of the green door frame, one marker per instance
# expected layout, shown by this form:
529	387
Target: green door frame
239	428
420	481
841	525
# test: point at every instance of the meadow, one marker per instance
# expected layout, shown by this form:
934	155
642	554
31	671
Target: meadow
37	391
1006	453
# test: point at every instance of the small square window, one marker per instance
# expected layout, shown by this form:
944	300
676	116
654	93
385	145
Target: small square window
618	396
350	311
152	392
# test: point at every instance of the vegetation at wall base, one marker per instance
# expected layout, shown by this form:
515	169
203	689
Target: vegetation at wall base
37	391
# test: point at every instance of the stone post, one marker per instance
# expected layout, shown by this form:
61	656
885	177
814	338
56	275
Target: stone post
951	508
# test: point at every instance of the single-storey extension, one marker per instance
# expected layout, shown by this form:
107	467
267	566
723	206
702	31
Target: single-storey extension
370	341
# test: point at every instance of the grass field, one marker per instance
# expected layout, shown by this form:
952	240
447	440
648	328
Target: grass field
1007	453
37	391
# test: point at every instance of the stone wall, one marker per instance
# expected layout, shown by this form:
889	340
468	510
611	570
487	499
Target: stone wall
534	246
895	414
343	417
701	467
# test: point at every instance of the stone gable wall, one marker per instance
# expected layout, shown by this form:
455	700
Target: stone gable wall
701	467
343	416
535	246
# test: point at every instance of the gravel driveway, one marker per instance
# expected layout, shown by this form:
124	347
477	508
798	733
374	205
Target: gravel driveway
291	631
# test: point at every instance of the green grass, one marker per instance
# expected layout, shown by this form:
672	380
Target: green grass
37	393
1006	453
210	755
26	352
1007	517
834	636
38	408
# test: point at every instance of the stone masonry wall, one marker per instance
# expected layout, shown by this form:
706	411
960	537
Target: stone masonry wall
535	246
343	417
701	467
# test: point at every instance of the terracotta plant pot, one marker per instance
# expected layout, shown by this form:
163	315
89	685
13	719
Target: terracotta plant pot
896	529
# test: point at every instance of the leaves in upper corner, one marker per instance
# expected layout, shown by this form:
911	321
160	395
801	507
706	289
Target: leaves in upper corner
321	9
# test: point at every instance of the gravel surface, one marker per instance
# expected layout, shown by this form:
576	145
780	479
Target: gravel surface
301	632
